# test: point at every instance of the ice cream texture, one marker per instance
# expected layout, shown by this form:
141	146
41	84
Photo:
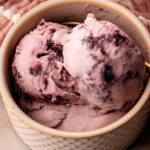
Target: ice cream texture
109	68
77	79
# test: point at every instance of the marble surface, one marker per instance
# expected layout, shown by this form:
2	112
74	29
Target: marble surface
9	140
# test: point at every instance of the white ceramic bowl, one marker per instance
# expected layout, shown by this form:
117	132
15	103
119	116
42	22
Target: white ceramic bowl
116	136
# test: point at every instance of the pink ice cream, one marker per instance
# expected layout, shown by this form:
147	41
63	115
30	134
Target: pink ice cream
38	64
77	79
68	117
109	68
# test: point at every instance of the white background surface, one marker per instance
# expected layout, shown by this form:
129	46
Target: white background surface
9	140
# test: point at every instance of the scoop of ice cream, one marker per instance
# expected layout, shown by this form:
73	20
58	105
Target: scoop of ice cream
85	118
38	64
106	63
48	114
68	117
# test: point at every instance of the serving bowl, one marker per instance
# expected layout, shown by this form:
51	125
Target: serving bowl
116	136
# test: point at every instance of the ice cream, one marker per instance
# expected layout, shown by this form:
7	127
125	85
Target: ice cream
68	117
109	68
77	79
38	64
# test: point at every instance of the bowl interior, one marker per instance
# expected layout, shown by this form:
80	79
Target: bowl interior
72	10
